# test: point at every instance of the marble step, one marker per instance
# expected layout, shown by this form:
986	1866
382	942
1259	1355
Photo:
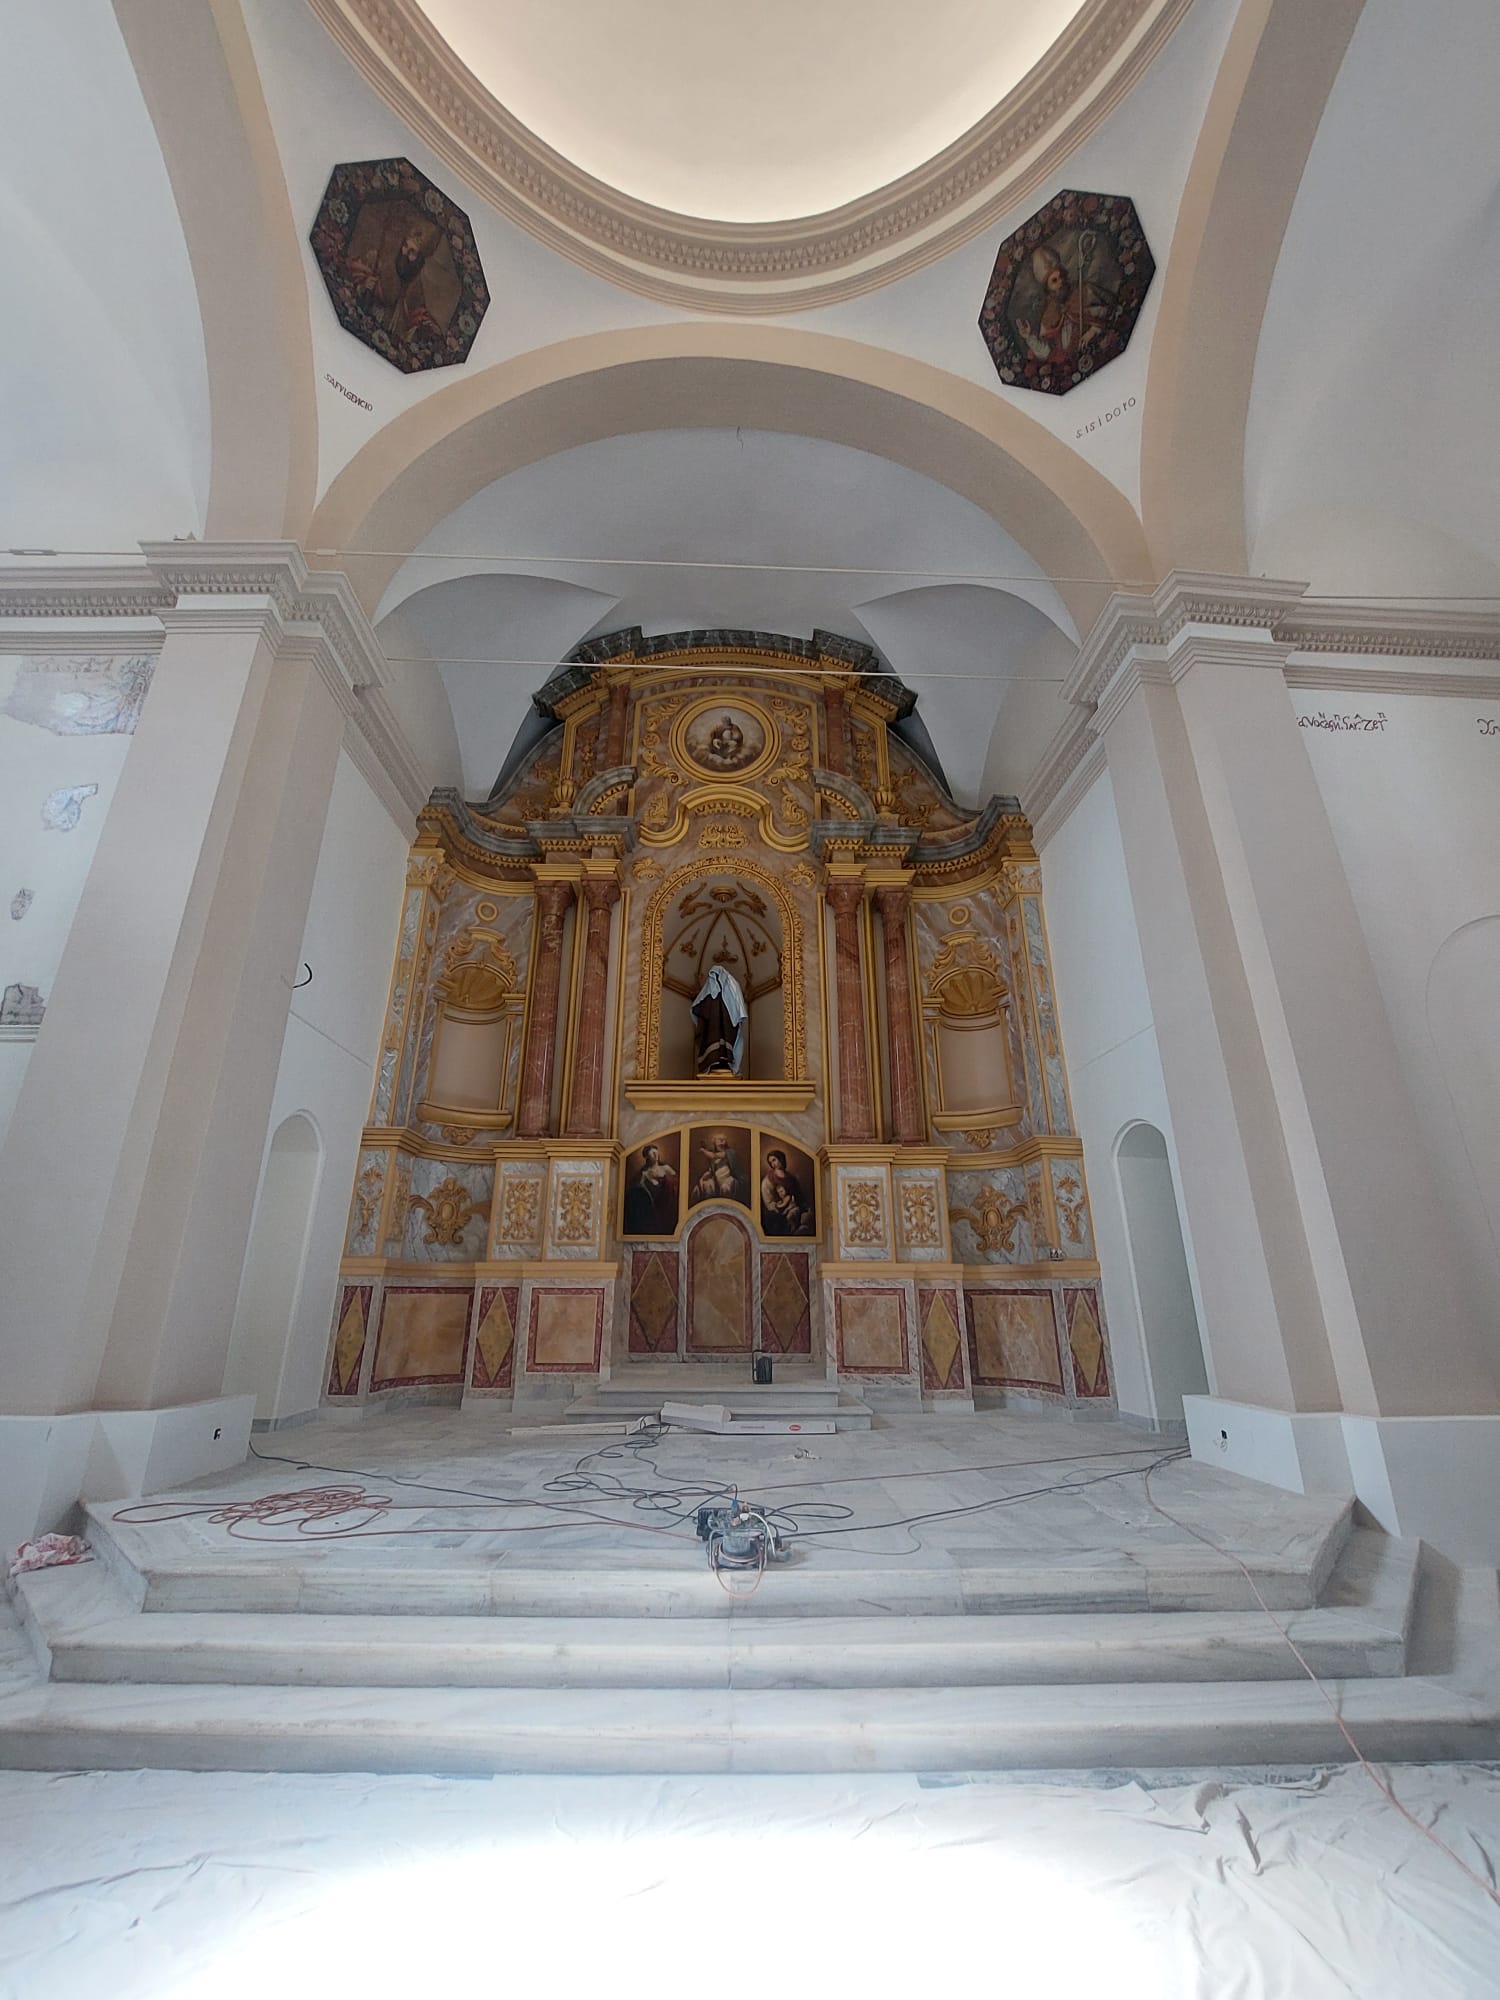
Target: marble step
86	1629
1449	1712
164	1568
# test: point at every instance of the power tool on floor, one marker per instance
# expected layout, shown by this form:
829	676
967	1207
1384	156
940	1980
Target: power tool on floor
739	1537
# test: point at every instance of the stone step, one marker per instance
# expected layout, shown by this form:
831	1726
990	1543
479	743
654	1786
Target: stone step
88	1630
1452	1714
164	1572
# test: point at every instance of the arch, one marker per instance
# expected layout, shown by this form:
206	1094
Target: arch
1268	98
793	997
198	75
275	1259
466	435
1463	1018
1170	1333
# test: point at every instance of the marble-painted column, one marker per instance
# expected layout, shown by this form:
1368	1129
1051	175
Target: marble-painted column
129	1174
585	1099
614	736
539	1063
856	1120
893	904
1320	1239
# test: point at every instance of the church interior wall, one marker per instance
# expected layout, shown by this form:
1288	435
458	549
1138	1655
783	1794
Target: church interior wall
66	722
328	1056
1114	1067
1409	784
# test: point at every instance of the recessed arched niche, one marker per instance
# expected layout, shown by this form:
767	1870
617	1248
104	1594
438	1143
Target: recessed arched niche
968	1017
743	917
722	920
478	1009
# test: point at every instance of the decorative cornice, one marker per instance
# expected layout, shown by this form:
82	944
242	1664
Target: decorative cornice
1139	637
70	590
797	264
204	584
1071	764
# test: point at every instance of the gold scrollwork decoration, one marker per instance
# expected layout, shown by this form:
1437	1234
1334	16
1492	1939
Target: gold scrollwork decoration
994	1217
449	1208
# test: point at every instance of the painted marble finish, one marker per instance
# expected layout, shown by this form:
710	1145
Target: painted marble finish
990	1216
586	1102
365	1206
540	1057
856	1120
454	1226
907	1124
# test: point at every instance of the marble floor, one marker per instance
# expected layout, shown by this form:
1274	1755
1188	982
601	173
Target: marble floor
1211	1885
997	1484
981	1592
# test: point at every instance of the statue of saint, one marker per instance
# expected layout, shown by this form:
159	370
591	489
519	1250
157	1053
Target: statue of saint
719	1020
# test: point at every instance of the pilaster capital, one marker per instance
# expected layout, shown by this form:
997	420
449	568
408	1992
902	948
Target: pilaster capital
1138	631
844	893
893	901
216	582
600	891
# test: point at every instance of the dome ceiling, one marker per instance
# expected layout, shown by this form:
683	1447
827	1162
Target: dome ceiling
775	156
749	114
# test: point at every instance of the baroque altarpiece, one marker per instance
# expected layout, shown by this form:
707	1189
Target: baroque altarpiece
887	1187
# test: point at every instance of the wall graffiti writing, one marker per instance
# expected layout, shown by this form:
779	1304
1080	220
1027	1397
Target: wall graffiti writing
347	394
1342	722
1098	423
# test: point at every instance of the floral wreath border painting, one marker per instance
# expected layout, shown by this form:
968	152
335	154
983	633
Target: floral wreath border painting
400	263
1066	291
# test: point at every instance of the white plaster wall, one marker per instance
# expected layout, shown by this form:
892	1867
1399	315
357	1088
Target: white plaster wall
1109	1040
53	865
1415	809
327	1059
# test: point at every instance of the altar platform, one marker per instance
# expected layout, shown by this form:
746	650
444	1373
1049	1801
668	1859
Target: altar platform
1004	1592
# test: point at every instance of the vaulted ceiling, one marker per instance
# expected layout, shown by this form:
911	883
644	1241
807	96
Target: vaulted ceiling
1308	392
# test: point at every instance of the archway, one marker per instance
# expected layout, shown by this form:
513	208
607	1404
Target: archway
428	461
1158	1261
271	1283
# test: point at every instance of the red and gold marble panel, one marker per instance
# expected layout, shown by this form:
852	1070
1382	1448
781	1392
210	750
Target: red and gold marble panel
1013	1339
1086	1345
871	1331
351	1322
565	1335
718	1287
654	1287
423	1336
785	1302
495	1318
941	1318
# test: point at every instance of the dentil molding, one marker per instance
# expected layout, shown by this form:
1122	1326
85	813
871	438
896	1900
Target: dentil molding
792	265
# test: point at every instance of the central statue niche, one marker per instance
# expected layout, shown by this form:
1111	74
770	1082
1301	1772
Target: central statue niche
721	983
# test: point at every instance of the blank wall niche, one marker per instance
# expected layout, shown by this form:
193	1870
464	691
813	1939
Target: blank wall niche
1164	1290
274	1262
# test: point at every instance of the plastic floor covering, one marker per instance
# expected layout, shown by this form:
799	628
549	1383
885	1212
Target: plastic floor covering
1218	1886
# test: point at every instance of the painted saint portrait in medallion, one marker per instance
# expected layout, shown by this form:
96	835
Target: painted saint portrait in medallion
724	739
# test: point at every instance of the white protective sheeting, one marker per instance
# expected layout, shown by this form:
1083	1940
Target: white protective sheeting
1209	1887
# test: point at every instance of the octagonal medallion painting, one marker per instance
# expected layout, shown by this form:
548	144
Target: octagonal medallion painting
400	263
1066	291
